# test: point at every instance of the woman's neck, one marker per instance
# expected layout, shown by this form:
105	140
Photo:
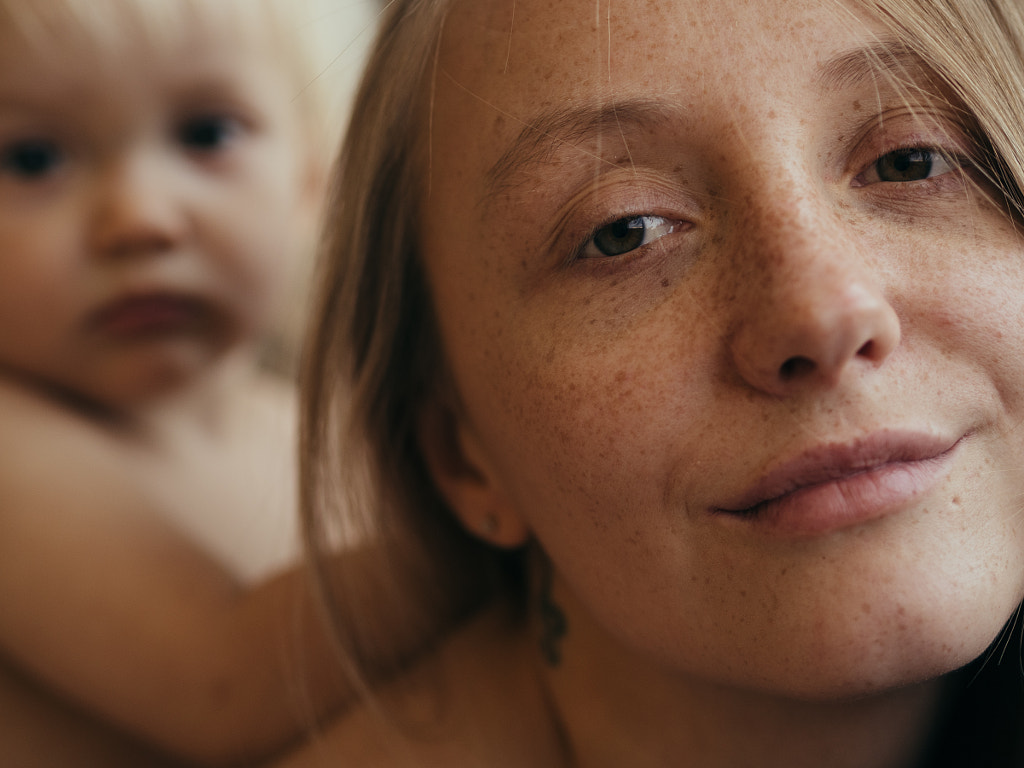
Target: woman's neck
615	709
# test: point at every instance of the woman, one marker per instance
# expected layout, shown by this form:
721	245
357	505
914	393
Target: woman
689	335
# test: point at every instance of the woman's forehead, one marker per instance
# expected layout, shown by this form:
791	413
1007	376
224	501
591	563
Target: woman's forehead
516	77
526	48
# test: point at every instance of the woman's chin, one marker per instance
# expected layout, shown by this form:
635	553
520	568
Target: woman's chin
840	662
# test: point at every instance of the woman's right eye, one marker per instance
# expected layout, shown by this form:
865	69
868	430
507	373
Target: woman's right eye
30	159
628	234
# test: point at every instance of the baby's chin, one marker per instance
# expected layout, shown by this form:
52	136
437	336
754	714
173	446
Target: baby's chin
136	383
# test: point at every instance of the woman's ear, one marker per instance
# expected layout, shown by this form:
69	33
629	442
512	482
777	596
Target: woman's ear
466	479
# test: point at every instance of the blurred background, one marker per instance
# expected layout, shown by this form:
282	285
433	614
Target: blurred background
341	31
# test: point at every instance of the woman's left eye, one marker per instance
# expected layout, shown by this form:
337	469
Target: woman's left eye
907	165
628	234
208	133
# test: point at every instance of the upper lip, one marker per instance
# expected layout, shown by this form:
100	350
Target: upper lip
837	461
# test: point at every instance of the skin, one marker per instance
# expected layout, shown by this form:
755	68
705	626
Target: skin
149	471
597	397
127	203
608	408
31	717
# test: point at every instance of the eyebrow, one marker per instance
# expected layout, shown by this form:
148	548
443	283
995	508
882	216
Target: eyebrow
860	65
544	134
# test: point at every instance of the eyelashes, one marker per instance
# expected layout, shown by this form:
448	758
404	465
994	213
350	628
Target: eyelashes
909	167
628	234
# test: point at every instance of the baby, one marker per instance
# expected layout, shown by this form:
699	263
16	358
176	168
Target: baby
161	166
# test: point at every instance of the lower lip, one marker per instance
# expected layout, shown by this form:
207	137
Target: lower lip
846	502
150	317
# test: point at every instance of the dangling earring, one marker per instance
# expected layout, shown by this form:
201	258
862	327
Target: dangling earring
554	625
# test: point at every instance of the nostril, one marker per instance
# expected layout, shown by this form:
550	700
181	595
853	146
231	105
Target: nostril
807	335
795	368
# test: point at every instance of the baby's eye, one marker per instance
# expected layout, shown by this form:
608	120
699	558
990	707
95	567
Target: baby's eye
208	132
906	165
30	159
628	234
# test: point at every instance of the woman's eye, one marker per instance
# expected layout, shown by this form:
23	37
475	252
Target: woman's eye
627	234
906	165
208	133
30	159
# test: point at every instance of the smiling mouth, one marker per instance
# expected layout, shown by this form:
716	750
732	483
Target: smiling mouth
840	485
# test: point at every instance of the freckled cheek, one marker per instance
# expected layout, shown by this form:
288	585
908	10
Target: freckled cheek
578	373
597	413
974	310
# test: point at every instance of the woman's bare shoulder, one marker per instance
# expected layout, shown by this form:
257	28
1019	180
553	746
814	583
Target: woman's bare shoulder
476	701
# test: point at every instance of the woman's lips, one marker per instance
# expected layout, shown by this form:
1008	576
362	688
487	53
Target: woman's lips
839	485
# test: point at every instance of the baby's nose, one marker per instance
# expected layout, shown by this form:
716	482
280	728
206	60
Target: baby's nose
136	211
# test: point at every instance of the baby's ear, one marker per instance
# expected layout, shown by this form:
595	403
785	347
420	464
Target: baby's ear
466	479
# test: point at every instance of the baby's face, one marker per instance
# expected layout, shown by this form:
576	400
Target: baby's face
734	337
150	197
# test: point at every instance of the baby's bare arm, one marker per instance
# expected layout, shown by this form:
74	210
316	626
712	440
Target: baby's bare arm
38	730
113	607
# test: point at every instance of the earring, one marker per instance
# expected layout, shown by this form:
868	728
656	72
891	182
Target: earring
554	625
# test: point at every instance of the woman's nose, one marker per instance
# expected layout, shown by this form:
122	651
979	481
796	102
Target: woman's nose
815	310
136	211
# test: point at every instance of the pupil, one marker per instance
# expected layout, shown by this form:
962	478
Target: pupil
621	236
31	159
905	165
205	133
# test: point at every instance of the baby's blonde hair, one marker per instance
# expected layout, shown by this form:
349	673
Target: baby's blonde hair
303	37
101	27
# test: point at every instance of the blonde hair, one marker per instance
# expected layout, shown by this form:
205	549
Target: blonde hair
976	48
285	28
289	32
371	362
375	357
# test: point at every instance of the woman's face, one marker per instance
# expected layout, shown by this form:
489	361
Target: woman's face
734	338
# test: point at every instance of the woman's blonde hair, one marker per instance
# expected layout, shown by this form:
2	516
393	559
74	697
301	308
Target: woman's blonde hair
375	357
976	49
371	361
